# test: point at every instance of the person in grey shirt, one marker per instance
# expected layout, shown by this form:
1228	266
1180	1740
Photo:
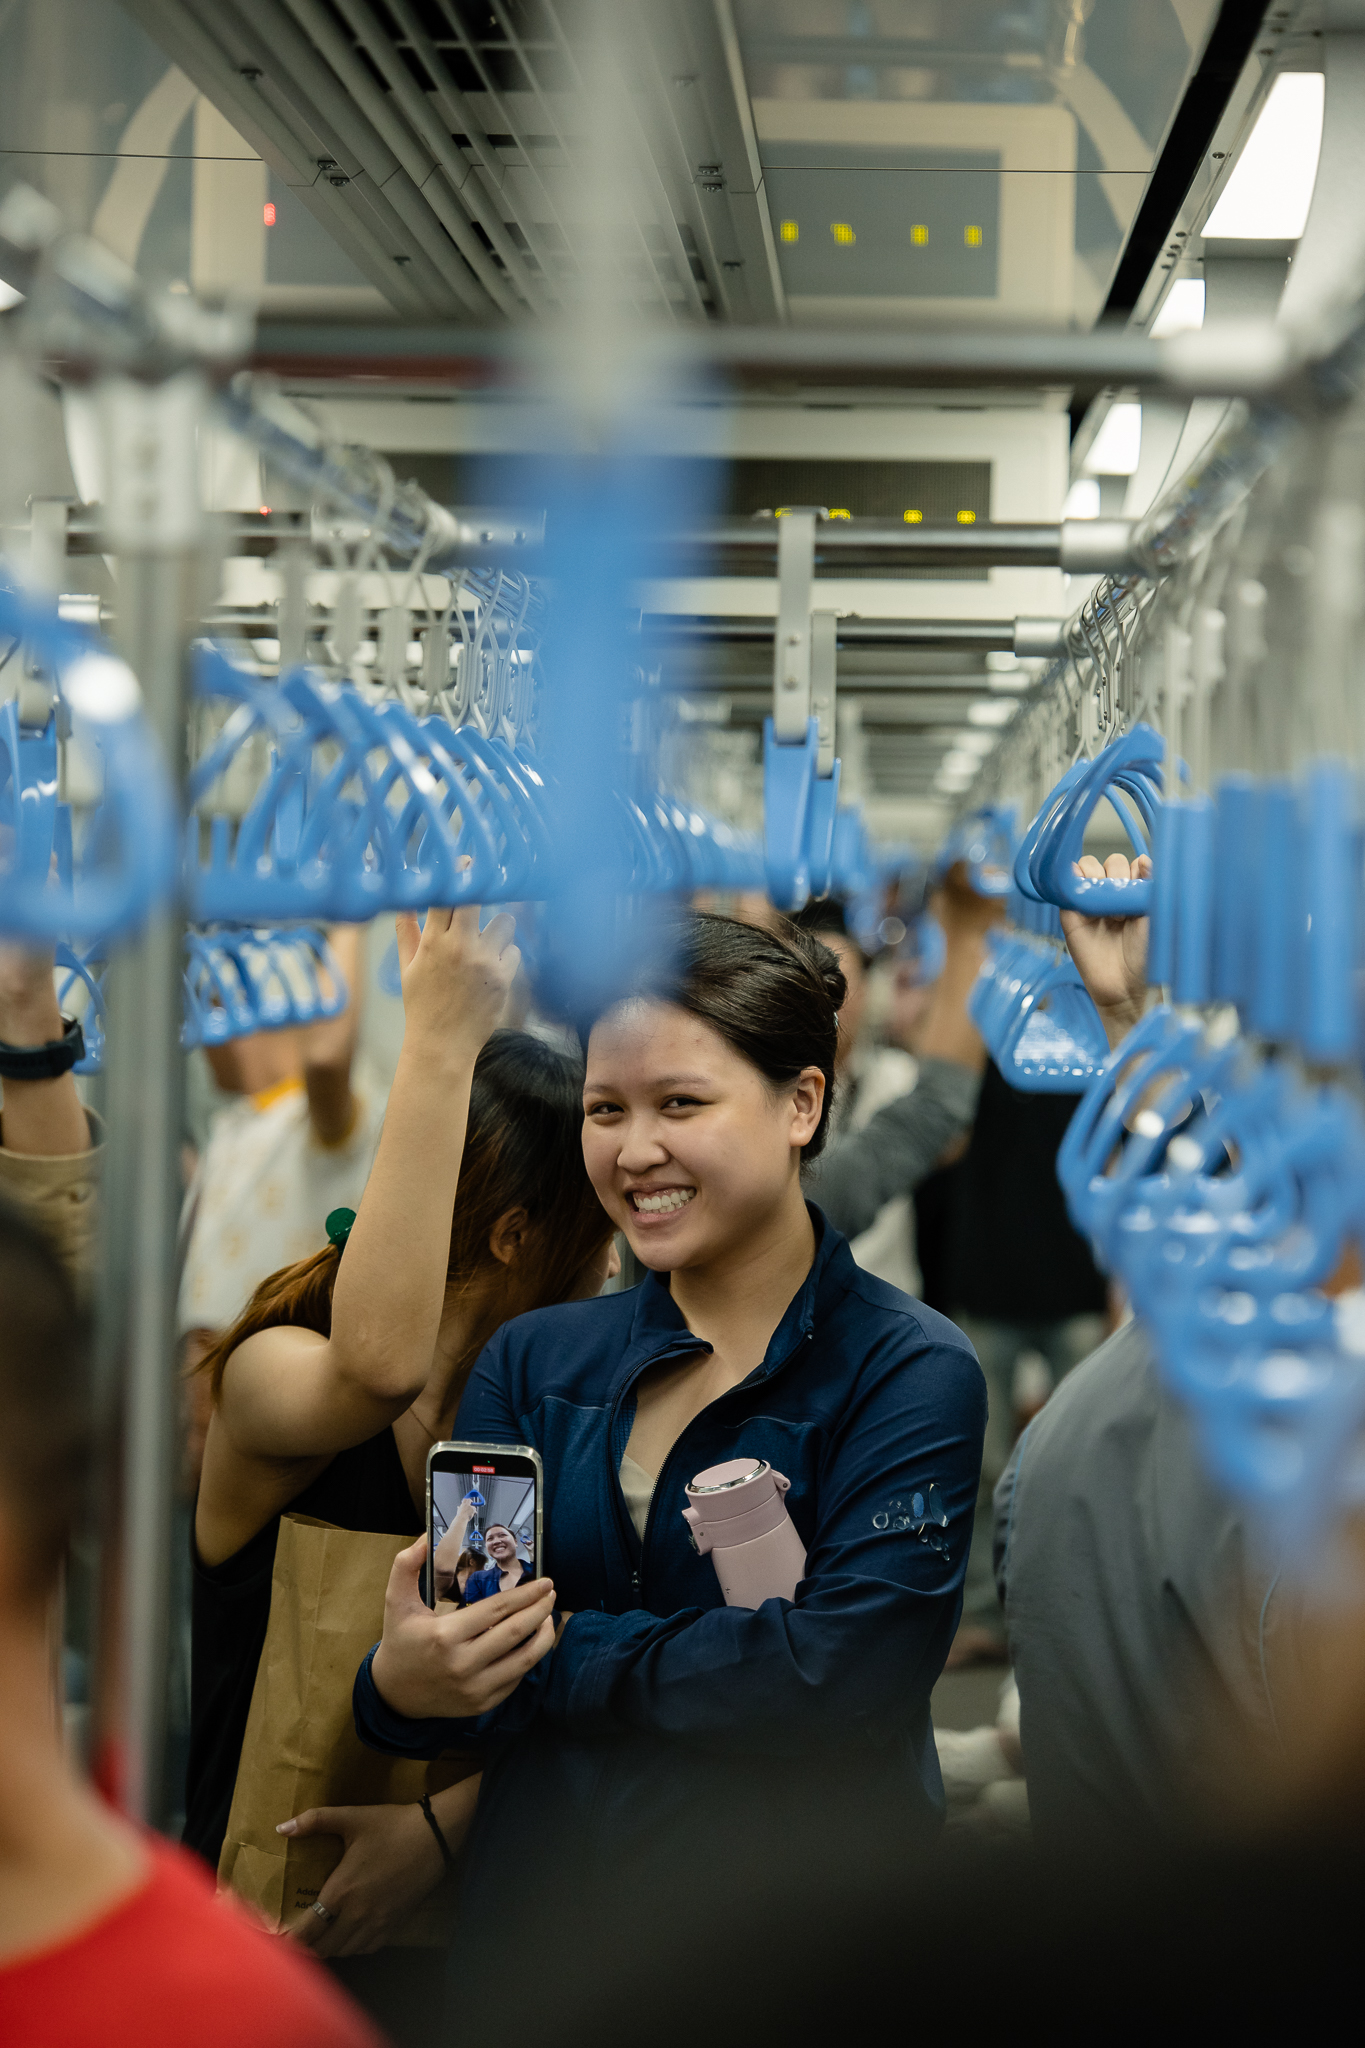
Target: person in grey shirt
1155	1652
902	1143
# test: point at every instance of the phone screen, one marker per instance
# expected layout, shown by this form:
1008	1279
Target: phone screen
483	1519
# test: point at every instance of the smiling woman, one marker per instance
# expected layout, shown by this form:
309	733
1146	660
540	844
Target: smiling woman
656	1711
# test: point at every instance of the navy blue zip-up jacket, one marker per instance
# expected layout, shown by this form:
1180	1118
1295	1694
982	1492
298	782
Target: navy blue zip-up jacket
656	1690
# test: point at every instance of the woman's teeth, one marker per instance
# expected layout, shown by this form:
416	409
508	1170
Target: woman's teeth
661	1205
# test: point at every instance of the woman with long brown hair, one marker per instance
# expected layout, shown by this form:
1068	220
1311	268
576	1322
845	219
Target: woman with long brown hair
344	1369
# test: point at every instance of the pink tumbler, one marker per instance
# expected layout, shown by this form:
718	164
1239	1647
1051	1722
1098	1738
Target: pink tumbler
738	1515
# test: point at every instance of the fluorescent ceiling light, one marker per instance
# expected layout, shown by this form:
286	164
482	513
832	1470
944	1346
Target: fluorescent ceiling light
8	296
978	743
1083	499
991	711
1182	309
1115	449
957	761
951	783
1267	195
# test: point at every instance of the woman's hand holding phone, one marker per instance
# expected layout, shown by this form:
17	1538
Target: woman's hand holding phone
454	1663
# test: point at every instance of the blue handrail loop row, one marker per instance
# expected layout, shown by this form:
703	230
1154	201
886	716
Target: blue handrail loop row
236	983
1037	1019
1222	1189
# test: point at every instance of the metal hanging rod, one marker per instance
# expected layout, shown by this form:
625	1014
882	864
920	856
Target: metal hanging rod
1026	638
1256	359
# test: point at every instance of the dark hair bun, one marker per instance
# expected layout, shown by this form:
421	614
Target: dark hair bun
822	960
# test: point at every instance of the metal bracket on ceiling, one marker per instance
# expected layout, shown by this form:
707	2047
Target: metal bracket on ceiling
792	641
823	676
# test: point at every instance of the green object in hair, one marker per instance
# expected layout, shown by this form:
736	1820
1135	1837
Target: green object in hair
339	1227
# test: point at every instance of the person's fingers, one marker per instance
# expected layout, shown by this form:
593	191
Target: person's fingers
486	1614
408	933
1142	867
1117	868
1089	867
487	1651
508	1675
438	921
318	1820
500	931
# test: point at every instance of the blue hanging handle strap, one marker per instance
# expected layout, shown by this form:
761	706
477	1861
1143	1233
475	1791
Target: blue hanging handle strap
788	777
985	842
1044	866
820	819
127	859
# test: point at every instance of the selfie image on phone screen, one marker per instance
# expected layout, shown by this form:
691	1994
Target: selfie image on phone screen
485	1519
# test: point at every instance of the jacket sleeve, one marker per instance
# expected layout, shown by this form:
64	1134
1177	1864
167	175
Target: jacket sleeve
867	1633
897	1147
58	1197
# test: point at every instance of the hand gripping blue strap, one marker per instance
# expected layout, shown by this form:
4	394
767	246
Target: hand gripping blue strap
788	776
1128	768
1224	1212
104	886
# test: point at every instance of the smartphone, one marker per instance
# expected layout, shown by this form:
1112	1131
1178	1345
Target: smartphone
483	1519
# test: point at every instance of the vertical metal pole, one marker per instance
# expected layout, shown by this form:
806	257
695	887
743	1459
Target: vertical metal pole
154	527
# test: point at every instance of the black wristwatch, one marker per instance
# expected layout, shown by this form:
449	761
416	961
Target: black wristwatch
44	1062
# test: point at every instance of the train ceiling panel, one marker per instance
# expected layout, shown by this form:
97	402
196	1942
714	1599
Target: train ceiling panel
954	160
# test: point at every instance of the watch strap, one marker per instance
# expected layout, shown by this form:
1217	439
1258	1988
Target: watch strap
44	1062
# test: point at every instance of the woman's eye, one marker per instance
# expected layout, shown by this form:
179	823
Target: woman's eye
682	1102
601	1109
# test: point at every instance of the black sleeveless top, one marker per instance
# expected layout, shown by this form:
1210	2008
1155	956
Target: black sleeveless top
363	1488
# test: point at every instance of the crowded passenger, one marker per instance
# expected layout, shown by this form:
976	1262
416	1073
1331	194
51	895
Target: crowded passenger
107	1933
619	1702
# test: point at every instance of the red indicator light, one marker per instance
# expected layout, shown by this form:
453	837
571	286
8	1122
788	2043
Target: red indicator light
491	1470
270	213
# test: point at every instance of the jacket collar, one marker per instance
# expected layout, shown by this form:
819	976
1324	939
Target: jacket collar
659	1331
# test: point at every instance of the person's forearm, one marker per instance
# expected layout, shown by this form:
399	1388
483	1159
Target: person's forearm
894	1151
454	1809
386	1308
948	1032
42	1119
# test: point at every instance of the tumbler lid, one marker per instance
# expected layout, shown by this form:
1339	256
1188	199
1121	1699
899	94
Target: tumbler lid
720	1478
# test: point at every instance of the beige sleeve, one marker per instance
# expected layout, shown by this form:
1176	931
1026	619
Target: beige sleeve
58	1196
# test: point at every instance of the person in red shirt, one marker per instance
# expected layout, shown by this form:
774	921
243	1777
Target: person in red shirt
106	1933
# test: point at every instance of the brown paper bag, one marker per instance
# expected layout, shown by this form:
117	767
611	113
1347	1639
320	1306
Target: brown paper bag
301	1748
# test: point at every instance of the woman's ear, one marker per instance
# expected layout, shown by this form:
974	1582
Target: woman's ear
808	1099
508	1236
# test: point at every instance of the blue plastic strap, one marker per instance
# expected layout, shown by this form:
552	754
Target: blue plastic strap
1194	903
1271	1011
820	817
788	774
1328	1029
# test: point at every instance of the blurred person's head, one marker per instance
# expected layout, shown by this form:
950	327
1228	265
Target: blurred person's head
709	1086
466	1563
827	919
46	1430
527	1231
502	1545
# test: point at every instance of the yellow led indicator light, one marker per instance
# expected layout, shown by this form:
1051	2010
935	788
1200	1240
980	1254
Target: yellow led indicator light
966	519
913	518
839	514
841	231
919	236
972	237
790	231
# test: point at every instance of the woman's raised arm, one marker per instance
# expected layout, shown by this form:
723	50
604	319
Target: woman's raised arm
289	1395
